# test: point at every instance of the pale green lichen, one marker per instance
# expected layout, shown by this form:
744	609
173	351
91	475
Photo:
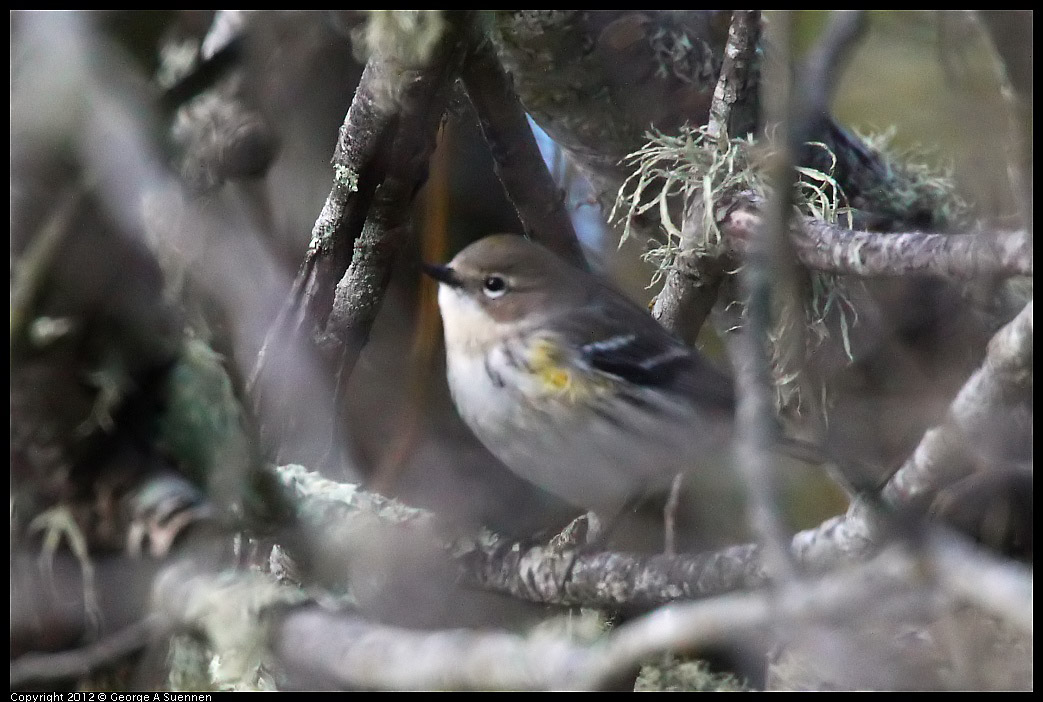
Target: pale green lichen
403	40
670	173
677	675
346	177
916	184
671	170
674	173
408	35
45	331
231	611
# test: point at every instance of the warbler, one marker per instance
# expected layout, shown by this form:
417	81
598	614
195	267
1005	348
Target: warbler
570	384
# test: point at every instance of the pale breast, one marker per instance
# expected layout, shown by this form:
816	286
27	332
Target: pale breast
596	454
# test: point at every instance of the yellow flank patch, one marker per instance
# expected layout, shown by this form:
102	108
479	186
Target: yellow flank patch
555	377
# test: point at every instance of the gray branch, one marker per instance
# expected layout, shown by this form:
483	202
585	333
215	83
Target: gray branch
832	248
1004	379
941	458
356	238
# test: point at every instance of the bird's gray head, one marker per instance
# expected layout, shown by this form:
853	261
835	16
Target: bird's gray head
502	280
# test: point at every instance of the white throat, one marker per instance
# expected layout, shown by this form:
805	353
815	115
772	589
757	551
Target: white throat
468	327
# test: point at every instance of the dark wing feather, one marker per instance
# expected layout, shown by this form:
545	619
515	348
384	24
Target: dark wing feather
621	339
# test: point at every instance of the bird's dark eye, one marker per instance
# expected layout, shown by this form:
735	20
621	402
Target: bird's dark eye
494	285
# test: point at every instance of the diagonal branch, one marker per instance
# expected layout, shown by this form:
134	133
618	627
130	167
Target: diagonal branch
356	238
522	171
940	458
368	120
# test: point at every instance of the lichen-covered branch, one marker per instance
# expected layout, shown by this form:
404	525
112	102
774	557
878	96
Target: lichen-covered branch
360	291
516	156
734	96
608	579
831	248
329	253
343	516
340	286
390	86
690	289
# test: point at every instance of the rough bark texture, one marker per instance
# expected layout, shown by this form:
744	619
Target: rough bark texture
831	248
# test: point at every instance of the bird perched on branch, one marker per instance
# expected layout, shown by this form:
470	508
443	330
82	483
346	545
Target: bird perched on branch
573	386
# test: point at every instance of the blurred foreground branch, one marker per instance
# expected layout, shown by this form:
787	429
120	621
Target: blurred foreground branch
42	668
317	646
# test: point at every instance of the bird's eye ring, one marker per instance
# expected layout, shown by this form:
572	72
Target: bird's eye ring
494	286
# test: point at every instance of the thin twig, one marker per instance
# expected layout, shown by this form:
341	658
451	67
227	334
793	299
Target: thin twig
769	269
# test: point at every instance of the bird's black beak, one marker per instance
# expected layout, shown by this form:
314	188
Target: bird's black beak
443	274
